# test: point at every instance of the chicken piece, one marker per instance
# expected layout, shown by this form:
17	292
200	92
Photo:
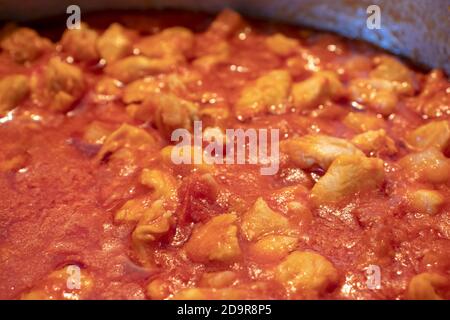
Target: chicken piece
378	94
220	279
260	220
24	45
125	137
434	100
68	283
281	45
138	90
133	210
63	85
375	141
216	240
306	273
213	294
136	67
81	43
218	53
272	248
114	43
96	133
321	150
13	90
153	224
267	93
162	183
346	176
175	42
171	112
297	65
433	134
108	87
358	65
316	90
158	289
362	122
225	24
429	165
424	286
426	201
390	69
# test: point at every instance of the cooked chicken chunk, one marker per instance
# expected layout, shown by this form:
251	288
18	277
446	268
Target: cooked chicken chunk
114	43
267	93
216	240
261	220
306	273
375	141
433	134
346	176
321	150
429	165
81	43
13	90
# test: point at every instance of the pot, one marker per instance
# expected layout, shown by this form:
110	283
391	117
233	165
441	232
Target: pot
417	30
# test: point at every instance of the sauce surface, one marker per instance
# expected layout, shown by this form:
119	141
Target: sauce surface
358	208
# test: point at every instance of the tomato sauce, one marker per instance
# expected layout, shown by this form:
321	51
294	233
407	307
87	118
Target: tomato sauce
59	200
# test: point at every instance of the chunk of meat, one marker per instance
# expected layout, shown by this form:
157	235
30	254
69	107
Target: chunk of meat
267	93
213	294
215	55
135	67
346	176
375	141
63	84
377	94
433	134
306	273
163	185
426	201
226	24
114	43
316	90
281	45
218	279
321	150
429	165
174	42
13	90
391	69
81	43
434	100
96	133
171	112
153	224
361	122
133	210
216	240
138	90
424	286
24	45
125	137
272	248
261	220
108	87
